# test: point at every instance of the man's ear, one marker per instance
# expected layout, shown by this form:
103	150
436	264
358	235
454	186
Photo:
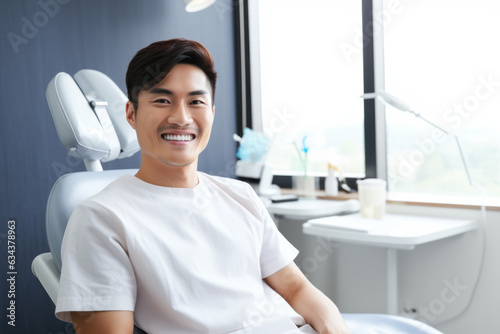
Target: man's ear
130	110
213	111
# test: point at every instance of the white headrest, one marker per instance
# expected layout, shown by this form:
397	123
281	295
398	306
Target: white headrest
100	134
95	83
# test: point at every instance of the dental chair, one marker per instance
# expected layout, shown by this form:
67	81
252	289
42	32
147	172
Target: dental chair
89	113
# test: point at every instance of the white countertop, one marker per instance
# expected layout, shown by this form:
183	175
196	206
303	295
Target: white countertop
393	231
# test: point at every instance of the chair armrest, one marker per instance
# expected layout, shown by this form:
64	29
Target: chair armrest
385	323
45	269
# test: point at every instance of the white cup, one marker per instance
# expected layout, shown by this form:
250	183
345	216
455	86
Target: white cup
372	196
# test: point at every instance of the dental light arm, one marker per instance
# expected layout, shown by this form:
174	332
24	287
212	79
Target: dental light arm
397	103
389	99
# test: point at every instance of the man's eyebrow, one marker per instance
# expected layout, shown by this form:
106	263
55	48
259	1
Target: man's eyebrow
198	92
160	91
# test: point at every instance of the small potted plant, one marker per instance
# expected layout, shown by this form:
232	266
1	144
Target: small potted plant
305	184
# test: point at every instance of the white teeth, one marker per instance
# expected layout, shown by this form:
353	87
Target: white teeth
177	137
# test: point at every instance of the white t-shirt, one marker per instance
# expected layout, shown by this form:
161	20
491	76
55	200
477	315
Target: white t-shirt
184	260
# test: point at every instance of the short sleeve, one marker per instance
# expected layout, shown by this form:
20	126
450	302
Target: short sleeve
276	251
96	271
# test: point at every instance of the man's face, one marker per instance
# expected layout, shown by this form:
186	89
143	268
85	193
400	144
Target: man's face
174	118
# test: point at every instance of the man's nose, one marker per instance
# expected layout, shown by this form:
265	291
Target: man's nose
180	116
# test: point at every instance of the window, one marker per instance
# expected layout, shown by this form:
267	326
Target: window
443	59
310	85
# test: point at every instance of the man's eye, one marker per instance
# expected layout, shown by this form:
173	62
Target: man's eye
162	101
196	102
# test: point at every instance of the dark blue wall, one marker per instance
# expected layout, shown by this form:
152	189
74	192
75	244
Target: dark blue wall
101	35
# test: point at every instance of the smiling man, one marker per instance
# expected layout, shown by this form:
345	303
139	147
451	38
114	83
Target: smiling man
174	250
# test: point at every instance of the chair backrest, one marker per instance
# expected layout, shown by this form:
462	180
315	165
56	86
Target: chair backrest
68	191
89	114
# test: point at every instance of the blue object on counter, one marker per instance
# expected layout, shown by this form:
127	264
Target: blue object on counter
253	146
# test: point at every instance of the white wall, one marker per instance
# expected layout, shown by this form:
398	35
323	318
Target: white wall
436	279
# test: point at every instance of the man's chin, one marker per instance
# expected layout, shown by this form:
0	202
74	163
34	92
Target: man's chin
174	163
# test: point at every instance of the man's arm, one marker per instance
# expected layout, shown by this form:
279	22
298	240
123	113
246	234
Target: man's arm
103	322
316	309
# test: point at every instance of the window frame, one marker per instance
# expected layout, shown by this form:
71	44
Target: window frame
247	51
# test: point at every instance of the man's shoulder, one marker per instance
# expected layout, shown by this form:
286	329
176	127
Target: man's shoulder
116	188
224	182
238	190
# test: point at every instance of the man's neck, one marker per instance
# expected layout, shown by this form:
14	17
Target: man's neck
169	176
